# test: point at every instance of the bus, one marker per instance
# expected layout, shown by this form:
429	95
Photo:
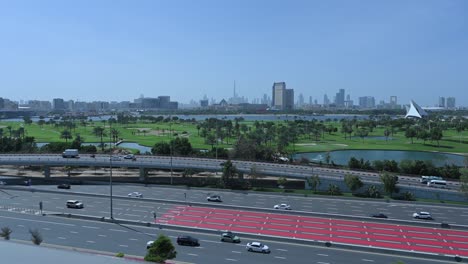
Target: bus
437	183
426	179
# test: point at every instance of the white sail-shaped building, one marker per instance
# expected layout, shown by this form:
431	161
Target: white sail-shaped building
415	111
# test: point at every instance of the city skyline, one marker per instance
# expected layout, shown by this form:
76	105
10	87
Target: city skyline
108	51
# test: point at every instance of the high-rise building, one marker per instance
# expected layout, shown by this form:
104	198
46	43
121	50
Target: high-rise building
289	99
450	102
340	98
326	101
300	100
393	100
442	102
58	104
282	98
367	102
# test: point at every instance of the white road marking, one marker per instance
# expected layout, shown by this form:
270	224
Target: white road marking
92	227
118	230
231	259
323	255
368	260
90	241
191	254
280	257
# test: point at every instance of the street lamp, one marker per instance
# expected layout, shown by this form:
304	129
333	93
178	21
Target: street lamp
170	131
110	167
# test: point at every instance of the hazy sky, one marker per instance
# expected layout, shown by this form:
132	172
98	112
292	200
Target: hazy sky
118	50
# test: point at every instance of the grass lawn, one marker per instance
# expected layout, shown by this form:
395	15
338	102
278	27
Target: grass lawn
148	134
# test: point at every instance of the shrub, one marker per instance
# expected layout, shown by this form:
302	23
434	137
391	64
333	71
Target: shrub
120	255
36	237
5	233
161	250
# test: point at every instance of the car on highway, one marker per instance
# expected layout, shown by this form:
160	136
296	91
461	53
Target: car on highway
135	195
379	215
63	186
257	247
74	204
422	215
187	241
230	237
214	198
149	244
129	156
282	206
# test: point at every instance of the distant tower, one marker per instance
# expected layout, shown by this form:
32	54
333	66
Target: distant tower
235	95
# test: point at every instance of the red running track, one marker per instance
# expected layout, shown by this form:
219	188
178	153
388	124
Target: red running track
421	239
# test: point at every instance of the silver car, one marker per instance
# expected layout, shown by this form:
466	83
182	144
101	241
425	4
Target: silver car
257	247
282	206
423	215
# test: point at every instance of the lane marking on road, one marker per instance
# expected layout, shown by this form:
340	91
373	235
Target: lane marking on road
61	237
238	252
38	221
123	246
323	255
90	241
210	241
319	262
133	239
191	254
280	257
102	235
280	249
228	259
46	228
368	260
118	230
91	227
73	232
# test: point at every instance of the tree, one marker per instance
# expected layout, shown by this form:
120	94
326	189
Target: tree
386	134
161	250
66	134
389	181
6	232
314	182
464	182
100	132
282	181
362	133
410	133
161	148
333	189
436	134
353	182
229	172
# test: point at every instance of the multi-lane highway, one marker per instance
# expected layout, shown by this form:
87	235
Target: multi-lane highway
274	169
139	209
171	205
132	240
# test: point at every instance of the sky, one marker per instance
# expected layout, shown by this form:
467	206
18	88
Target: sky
116	50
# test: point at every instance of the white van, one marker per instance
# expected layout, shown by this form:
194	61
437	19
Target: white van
437	183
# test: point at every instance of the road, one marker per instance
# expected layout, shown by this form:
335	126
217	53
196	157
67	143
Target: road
132	240
163	162
139	209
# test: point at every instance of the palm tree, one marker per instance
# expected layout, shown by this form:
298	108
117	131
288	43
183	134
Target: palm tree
100	132
66	134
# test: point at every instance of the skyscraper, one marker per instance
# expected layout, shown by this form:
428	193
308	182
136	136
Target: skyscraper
282	98
442	102
450	102
340	98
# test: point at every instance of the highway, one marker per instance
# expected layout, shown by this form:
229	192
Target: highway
163	162
140	209
132	240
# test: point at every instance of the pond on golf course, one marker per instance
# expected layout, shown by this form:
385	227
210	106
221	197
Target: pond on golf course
341	157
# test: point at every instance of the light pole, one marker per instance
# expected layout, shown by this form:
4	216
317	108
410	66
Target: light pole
110	167
170	131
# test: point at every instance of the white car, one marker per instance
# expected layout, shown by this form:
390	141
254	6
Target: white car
257	247
135	194
74	204
282	206
149	244
214	198
114	158
129	156
422	215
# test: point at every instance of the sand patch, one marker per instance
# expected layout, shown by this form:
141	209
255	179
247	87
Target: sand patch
342	145
306	144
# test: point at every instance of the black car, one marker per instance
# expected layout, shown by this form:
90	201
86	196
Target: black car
379	215
63	186
187	241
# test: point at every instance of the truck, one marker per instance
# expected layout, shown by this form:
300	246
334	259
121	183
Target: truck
70	153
